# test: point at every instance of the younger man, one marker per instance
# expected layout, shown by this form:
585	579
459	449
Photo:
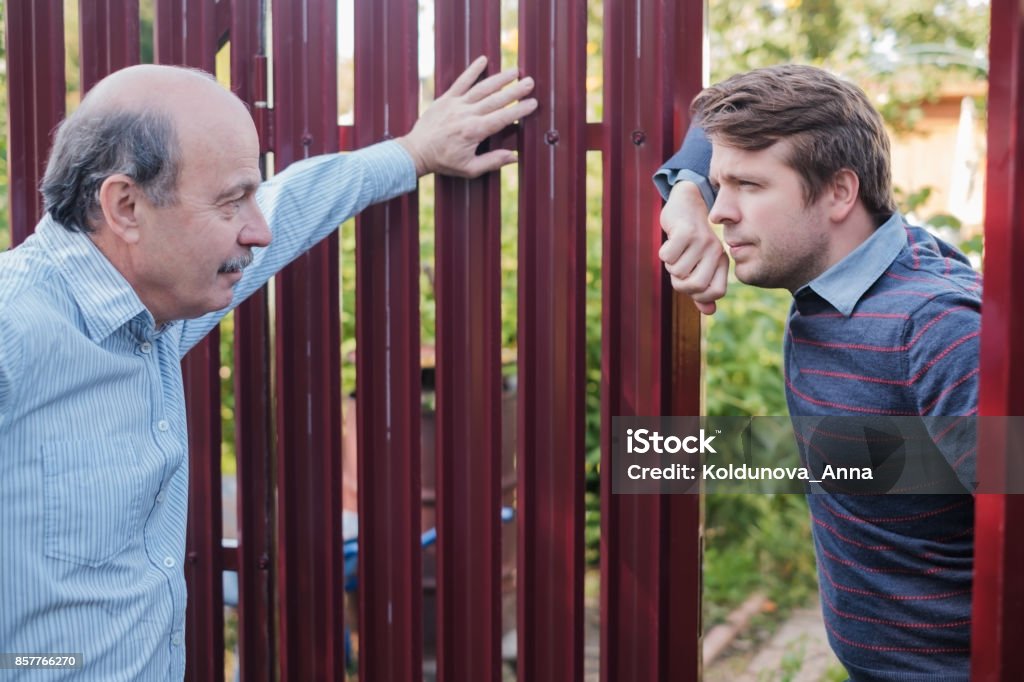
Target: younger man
884	321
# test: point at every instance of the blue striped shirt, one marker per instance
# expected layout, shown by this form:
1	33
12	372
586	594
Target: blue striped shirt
93	443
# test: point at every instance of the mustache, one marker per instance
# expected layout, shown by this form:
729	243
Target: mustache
236	264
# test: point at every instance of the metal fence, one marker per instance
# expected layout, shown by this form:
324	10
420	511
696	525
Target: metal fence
289	557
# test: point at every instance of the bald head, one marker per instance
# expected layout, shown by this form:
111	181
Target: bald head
138	122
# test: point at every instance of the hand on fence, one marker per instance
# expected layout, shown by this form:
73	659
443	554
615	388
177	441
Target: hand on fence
445	138
693	254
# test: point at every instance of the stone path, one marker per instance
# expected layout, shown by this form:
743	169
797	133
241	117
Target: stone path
798	651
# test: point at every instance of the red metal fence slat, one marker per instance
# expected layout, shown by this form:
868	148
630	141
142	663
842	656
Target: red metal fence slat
681	650
204	627
651	350
253	447
223	18
469	391
181	31
388	341
186	33
552	267
997	631
35	97
108	38
253	416
310	562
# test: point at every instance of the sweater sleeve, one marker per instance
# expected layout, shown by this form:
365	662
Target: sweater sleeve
942	346
692	162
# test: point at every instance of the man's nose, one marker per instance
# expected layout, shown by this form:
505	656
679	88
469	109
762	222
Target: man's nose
723	210
256	231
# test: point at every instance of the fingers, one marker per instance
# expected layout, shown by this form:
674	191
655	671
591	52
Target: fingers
491	161
673	248
720	280
498	120
703	273
691	247
705	283
693	254
706	308
466	79
491	84
505	96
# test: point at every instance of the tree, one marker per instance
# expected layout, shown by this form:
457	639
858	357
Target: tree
900	53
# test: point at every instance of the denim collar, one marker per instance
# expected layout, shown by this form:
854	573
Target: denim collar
843	284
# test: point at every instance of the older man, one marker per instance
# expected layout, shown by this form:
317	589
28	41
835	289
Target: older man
157	225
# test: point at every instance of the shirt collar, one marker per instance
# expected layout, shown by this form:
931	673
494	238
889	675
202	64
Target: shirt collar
843	284
104	296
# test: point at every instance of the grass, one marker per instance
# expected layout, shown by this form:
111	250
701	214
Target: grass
757	542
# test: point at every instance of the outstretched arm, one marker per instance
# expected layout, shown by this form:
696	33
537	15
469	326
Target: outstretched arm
309	199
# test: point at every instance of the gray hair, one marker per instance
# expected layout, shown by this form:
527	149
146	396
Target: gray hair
89	149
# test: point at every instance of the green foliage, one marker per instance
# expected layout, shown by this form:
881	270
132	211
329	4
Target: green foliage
899	52
836	673
743	344
228	463
792	660
756	542
909	202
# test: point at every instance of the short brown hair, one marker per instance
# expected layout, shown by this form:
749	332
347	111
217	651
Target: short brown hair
829	123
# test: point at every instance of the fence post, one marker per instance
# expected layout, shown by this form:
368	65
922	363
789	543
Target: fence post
310	562
552	357
108	40
997	631
35	98
469	392
388	362
650	593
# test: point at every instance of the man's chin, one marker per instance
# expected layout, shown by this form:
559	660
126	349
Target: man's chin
747	274
223	300
757	278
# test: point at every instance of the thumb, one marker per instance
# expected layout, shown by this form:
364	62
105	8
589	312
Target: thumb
490	161
706	308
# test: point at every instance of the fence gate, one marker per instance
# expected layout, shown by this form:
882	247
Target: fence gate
289	557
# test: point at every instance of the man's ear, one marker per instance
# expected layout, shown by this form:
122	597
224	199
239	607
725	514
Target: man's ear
844	193
118	202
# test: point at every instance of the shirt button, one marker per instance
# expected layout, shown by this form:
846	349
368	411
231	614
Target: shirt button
146	346
163	425
176	639
169	562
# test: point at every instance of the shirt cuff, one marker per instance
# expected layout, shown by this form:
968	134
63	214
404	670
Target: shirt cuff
665	178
